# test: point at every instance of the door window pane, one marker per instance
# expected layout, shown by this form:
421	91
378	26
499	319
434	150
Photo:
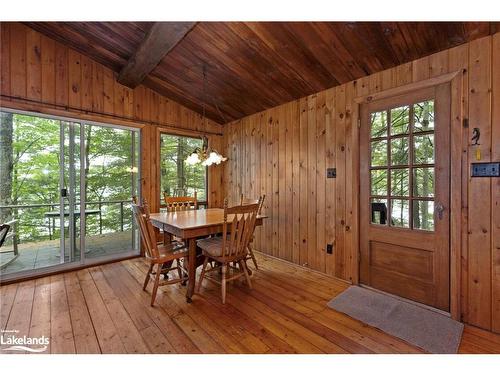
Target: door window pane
400	182
30	169
423	149
379	182
379	153
402	173
423	215
400	213
112	180
177	177
423	116
378	209
399	151
400	120
423	182
378	124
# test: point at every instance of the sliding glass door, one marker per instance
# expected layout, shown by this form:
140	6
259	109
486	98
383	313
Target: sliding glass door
65	191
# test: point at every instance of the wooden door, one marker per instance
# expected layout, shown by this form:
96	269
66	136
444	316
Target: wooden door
405	185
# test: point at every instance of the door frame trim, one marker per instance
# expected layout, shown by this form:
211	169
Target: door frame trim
457	163
389	93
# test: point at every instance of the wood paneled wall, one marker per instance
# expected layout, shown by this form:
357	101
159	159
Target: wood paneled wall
39	74
283	152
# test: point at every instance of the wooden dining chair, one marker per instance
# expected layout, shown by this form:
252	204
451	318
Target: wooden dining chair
135	201
246	201
185	203
176	242
232	247
159	255
181	203
8	230
4	230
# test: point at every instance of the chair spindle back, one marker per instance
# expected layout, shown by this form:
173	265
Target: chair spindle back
246	201
181	203
238	232
146	229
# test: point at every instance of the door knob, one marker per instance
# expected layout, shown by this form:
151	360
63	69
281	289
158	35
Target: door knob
440	210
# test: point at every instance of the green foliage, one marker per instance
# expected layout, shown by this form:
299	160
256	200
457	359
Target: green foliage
396	122
36	167
109	177
400	120
177	177
378	124
35	177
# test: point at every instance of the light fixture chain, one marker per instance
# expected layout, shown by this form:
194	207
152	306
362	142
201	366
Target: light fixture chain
205	156
204	94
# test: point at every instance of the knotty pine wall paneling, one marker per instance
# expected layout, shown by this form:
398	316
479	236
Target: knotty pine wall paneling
479	191
306	211
495	184
41	75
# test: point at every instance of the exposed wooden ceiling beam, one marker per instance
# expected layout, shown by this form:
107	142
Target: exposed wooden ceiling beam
161	39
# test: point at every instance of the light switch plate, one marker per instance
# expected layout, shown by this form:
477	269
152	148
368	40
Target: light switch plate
485	169
329	248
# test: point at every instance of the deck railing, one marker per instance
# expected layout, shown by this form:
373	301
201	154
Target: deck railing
51	221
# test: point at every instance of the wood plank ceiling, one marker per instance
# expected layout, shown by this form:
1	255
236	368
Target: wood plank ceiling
252	66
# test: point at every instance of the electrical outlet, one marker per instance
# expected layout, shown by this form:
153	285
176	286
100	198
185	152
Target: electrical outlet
485	170
331	172
329	248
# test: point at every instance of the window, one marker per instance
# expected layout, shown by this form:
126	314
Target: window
402	166
176	177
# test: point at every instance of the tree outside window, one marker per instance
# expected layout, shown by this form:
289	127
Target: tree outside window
177	177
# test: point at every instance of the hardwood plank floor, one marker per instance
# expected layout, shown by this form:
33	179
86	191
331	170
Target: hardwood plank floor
104	310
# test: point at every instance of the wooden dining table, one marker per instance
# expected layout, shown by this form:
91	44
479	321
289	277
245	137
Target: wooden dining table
189	226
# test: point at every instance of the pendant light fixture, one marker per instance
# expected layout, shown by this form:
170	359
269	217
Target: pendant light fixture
204	155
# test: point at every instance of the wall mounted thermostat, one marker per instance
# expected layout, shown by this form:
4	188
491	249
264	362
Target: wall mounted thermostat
485	169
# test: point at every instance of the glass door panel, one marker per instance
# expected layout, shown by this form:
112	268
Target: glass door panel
39	164
69	215
112	179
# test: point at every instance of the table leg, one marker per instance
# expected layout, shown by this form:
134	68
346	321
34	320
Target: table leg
191	269
167	238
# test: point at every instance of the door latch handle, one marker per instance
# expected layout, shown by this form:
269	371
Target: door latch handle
440	210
